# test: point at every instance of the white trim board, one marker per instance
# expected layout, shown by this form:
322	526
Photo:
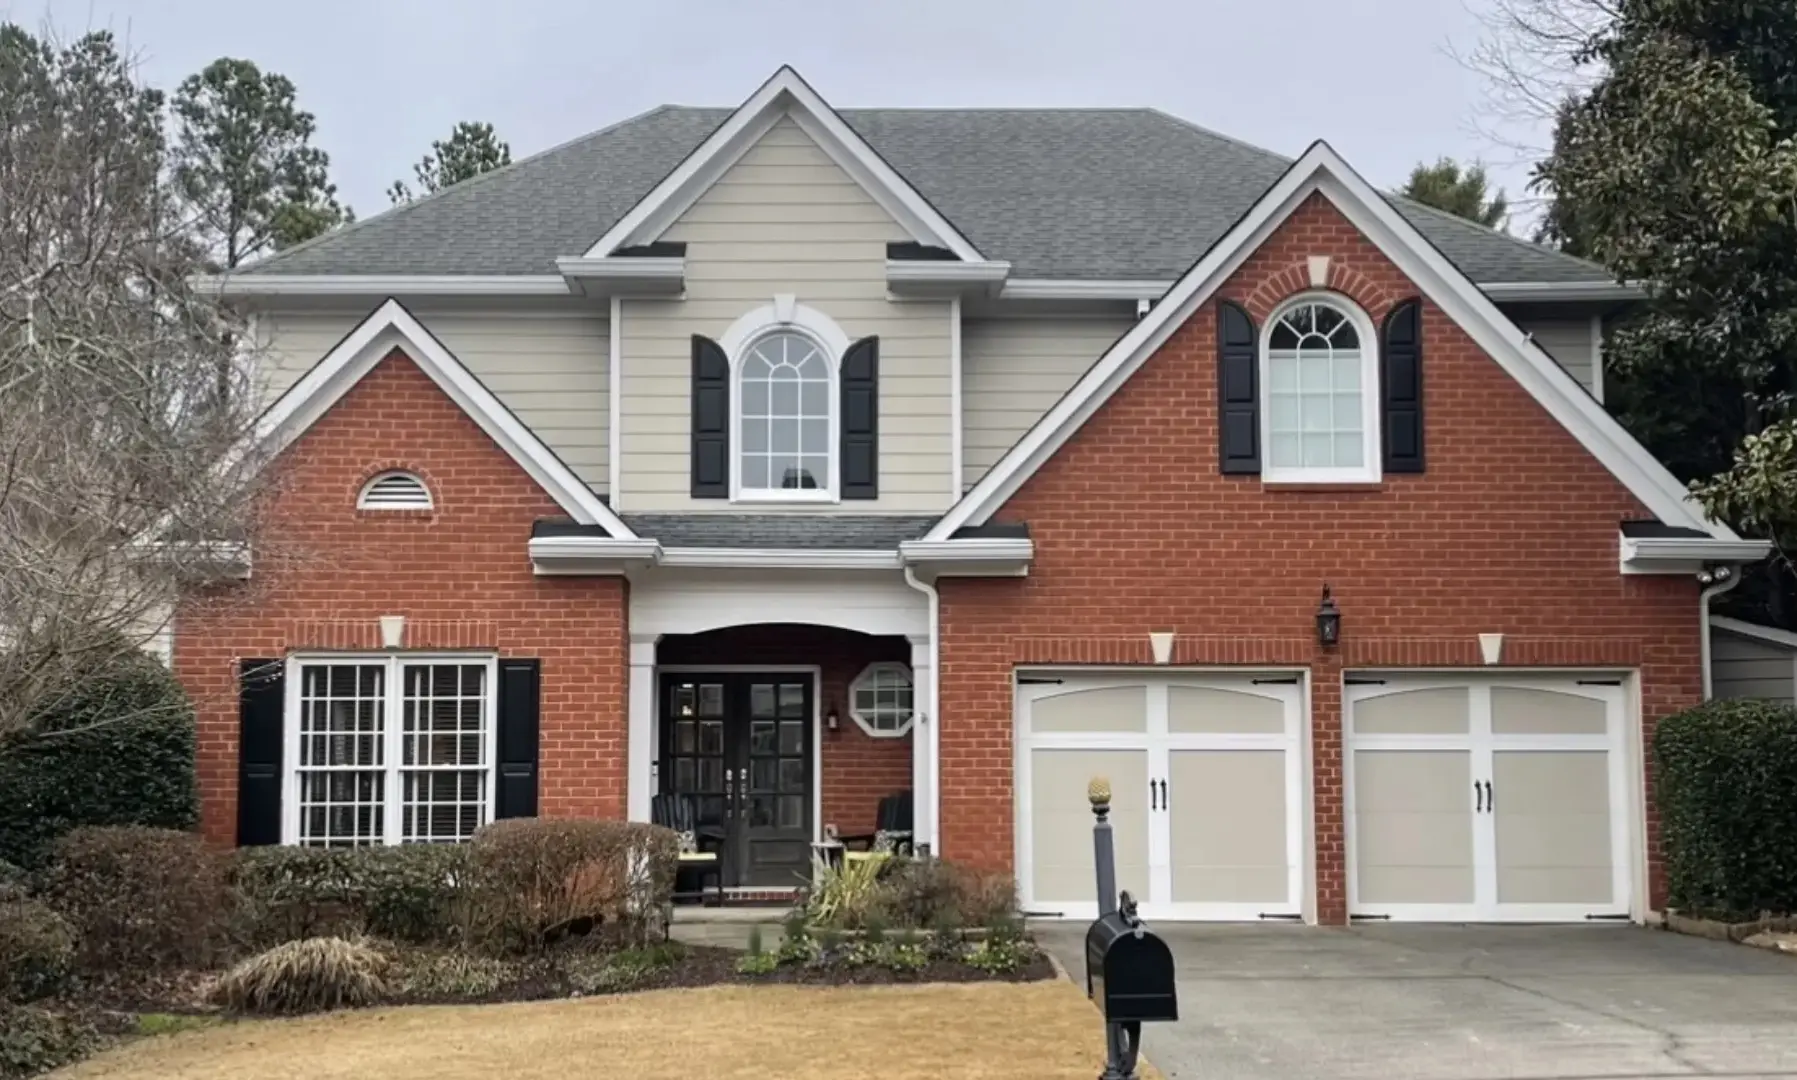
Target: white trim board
785	94
1771	635
391	326
1322	170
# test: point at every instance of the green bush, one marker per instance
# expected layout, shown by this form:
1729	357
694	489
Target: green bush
416	893
37	950
140	898
35	1040
1726	789
15	883
536	881
305	976
117	749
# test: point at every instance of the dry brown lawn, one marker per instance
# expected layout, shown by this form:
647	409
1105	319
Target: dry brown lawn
1039	1031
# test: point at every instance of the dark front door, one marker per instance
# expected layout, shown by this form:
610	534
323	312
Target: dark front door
740	744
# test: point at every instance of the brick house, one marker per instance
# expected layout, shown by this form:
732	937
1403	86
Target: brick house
788	459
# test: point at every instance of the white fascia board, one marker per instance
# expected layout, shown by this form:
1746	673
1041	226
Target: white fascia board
1674	554
970	557
588	555
660	273
1073	289
500	285
785	94
781	558
1510	292
910	274
390	326
1771	635
1320	169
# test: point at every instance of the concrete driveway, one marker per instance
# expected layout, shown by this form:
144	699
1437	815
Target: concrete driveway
1465	1002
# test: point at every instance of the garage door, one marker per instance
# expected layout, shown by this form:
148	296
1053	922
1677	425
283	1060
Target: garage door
1205	778
1487	799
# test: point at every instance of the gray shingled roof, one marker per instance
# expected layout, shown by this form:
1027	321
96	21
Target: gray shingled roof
1060	193
849	532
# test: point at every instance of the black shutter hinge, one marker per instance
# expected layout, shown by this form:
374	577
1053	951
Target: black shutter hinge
1363	682
1607	918
1024	681
1600	682
1284	680
1363	918
1289	916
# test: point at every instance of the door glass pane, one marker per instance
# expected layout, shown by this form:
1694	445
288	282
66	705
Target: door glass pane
711	775
761	811
683	737
792	812
792	775
683	776
711	700
711	737
792	737
762	775
792	699
685	700
761	700
762	738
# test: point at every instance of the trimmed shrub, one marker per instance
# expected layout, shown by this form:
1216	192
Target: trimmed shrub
1726	788
415	893
117	750
34	1040
140	899
15	883
933	893
305	976
536	881
37	950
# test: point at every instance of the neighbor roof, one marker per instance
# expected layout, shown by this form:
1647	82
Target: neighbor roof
1107	194
849	532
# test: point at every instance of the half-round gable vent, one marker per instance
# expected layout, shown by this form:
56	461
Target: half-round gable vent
395	491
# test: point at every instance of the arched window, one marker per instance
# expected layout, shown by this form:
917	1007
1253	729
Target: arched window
786	384
1319	364
394	491
785	403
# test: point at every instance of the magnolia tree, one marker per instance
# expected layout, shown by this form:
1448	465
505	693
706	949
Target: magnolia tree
126	392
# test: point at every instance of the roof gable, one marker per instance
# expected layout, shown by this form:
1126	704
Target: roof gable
786	94
391	326
1321	170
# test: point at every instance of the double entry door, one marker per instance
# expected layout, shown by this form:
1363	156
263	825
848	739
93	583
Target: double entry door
740	745
1480	799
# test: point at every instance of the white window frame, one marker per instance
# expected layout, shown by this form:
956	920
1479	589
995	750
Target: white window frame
393	817
865	723
786	316
1372	452
362	503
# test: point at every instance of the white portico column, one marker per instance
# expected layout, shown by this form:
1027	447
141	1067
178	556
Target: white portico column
923	744
640	754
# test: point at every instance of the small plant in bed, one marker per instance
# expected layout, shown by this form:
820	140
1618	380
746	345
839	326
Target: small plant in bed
449	976
1004	949
626	969
756	961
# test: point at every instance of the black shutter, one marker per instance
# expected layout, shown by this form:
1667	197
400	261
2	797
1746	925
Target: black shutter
1238	391
519	681
711	420
861	420
260	703
1401	388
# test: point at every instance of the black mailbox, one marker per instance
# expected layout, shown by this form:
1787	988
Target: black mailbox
1129	970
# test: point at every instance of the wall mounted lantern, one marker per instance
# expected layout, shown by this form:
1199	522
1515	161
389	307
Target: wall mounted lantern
1329	621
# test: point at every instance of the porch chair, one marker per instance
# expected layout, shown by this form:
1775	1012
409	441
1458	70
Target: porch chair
892	828
700	845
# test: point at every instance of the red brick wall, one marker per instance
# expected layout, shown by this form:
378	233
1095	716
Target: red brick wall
459	573
1512	529
858	769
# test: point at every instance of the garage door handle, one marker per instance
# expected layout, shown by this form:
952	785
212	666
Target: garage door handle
1490	803
1153	799
1165	805
1478	797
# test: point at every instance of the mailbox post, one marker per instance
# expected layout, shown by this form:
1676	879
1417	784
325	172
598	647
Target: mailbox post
1129	970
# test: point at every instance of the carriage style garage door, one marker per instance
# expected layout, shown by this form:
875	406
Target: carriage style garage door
1205	775
1487	799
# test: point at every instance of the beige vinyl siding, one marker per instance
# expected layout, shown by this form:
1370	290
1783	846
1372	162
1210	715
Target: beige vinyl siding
549	369
1743	667
786	219
1013	370
1570	342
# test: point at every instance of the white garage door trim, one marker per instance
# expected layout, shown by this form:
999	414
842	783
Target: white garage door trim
1483	750
1158	751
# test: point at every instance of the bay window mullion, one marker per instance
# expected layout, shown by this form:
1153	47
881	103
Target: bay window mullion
394	741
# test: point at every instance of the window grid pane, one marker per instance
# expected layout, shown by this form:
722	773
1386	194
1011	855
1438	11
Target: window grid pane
785	426
882	698
342	754
1314	392
444	752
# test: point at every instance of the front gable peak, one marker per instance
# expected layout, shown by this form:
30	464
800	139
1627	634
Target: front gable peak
785	95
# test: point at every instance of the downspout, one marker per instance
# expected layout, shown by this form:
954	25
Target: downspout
933	729
1715	581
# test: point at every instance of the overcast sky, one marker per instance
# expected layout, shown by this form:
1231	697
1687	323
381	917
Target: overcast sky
385	77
